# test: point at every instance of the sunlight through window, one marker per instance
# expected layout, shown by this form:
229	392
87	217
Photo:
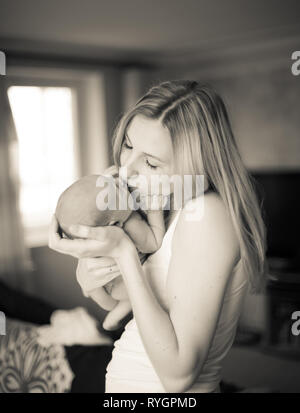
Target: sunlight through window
45	127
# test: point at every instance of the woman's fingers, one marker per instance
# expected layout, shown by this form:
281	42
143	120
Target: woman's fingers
56	241
54	235
107	240
88	241
78	248
84	231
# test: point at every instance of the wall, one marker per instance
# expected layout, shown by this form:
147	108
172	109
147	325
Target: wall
265	112
55	281
253	369
262	96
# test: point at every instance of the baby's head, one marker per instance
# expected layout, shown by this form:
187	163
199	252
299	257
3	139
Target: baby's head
82	203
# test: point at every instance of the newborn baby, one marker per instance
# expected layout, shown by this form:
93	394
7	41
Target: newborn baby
82	203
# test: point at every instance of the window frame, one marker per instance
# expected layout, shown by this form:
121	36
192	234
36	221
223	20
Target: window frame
80	82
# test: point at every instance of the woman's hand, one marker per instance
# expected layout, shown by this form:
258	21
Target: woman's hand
108	241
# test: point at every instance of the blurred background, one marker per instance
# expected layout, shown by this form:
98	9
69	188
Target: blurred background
73	67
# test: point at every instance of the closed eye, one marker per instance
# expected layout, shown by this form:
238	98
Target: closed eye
126	145
149	165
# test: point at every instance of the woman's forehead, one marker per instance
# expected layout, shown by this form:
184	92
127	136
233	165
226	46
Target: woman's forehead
151	137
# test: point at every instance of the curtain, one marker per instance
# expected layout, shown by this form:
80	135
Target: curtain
15	261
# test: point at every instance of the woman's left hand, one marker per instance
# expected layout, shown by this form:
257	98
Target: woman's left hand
107	241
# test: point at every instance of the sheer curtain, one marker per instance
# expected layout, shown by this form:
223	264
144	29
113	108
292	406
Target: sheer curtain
15	262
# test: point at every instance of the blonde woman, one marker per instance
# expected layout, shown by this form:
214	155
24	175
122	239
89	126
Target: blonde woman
186	298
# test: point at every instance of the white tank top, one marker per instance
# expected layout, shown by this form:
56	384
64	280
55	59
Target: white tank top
130	369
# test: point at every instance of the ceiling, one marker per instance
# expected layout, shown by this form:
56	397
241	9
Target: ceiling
140	29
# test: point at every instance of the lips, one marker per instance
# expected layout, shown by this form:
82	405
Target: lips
132	182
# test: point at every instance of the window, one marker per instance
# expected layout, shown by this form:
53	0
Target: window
44	119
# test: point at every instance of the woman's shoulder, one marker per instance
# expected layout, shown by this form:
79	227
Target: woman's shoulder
207	206
206	218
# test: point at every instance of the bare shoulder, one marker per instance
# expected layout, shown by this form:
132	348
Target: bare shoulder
202	211
206	221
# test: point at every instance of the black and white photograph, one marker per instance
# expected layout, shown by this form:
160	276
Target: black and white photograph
149	199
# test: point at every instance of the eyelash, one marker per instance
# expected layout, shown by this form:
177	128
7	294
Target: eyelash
127	146
150	166
147	163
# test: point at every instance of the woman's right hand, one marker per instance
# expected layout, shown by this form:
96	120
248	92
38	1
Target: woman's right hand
93	273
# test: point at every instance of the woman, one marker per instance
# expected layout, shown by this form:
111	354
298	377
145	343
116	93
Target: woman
187	297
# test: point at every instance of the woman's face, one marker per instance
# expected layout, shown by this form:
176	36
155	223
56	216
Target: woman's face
146	151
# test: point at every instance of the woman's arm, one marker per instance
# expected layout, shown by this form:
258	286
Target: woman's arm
203	255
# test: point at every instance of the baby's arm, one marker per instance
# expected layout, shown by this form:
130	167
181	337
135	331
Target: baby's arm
147	236
103	299
116	315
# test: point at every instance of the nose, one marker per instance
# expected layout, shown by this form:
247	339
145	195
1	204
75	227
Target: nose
129	170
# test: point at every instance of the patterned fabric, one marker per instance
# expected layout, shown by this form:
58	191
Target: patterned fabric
28	367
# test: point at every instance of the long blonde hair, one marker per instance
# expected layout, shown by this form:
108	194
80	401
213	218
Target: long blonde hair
203	143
